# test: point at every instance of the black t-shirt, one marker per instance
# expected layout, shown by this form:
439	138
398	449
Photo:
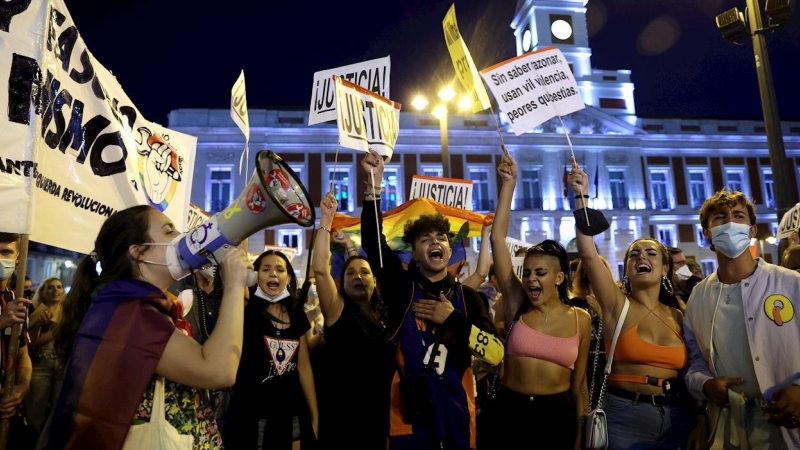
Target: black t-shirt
268	372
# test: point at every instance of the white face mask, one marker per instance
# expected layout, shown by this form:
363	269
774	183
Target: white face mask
208	272
731	239
176	270
684	273
8	268
267	297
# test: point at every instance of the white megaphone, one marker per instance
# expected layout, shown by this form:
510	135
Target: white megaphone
274	196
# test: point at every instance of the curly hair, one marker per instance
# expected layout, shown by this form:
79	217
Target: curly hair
725	199
425	224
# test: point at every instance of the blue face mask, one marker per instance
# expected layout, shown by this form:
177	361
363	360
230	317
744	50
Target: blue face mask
731	239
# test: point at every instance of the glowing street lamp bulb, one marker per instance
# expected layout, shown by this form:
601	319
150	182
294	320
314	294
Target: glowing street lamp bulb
440	111
771	240
419	103
465	103
447	94
68	264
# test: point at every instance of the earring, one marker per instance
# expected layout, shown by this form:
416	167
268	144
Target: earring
626	285
667	284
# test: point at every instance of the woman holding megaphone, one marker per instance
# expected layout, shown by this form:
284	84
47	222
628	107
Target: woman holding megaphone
124	353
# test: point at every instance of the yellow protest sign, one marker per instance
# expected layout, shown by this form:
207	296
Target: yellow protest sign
463	64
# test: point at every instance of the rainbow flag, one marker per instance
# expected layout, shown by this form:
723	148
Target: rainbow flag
113	360
463	224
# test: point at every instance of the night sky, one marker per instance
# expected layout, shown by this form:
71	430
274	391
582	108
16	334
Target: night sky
172	54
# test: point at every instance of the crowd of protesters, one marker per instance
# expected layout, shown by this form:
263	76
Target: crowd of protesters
409	356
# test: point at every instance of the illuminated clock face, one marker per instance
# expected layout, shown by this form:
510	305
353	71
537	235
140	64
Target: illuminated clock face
561	29
526	41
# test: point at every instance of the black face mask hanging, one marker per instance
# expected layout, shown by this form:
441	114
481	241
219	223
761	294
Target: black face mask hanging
596	224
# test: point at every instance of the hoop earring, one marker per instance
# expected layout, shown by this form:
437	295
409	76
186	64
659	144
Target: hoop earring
667	285
626	285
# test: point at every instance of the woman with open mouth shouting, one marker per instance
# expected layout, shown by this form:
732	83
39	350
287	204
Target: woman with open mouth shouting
647	403
355	335
543	388
275	381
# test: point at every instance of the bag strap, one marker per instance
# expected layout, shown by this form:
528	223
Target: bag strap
157	413
610	356
598	334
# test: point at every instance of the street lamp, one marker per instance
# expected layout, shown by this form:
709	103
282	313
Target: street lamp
440	111
733	26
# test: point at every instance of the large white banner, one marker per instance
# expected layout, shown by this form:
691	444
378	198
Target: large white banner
95	152
372	75
533	88
447	191
365	119
463	64
21	28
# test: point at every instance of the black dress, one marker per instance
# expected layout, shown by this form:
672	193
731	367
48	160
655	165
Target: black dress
355	383
268	382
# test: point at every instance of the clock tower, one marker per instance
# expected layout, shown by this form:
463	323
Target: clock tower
562	23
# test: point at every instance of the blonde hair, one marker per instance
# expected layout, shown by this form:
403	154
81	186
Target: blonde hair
37	297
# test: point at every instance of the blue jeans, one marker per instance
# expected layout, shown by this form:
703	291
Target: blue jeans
641	425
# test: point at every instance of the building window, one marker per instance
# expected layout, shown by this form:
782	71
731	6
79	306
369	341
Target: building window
734	180
342	187
769	189
432	170
701	238
480	189
298	170
616	183
290	238
660	188
392	190
709	266
698	178
531	197
666	235
219	188
476	244
613	103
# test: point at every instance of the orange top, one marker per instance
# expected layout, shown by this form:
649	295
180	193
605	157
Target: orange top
633	349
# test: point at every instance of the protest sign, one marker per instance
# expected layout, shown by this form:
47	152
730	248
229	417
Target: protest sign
789	222
447	191
515	244
95	153
195	216
21	37
463	64
365	119
289	252
533	88
371	75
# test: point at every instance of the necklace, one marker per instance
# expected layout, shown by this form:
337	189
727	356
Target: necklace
543	315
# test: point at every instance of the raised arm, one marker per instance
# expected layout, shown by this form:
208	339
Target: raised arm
344	240
329	300
214	364
380	256
510	285
484	258
603	285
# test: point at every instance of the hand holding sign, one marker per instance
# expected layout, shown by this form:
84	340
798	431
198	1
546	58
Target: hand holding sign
507	168
372	162
578	180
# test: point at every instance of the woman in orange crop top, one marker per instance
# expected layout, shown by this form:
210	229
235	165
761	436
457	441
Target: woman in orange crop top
543	390
650	353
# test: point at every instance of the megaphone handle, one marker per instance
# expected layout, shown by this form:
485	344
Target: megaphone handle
218	254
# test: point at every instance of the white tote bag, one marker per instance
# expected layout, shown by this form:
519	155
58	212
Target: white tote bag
158	434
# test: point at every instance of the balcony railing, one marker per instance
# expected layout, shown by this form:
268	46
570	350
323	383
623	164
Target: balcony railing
482	204
619	203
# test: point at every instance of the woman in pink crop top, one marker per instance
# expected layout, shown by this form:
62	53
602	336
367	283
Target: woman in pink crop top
543	389
650	353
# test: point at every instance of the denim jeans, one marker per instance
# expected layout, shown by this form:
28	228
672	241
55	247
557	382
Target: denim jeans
641	425
44	386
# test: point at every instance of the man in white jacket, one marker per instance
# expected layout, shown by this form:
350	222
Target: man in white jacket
743	337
